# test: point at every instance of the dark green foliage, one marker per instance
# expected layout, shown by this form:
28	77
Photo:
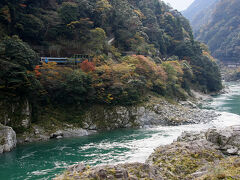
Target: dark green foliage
134	24
30	27
17	52
17	83
69	12
206	73
76	89
16	59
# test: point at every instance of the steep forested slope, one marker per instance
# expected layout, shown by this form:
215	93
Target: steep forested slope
64	28
164	58
222	32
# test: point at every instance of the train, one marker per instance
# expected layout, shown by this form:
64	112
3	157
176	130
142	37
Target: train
76	59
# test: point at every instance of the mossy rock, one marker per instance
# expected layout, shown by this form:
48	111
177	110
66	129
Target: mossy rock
110	172
181	159
226	169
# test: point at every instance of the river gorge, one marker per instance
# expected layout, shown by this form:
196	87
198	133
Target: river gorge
43	160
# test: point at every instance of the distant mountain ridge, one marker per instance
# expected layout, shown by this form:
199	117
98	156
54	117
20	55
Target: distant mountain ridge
198	12
217	25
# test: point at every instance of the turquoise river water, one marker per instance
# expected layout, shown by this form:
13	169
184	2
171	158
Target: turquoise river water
43	160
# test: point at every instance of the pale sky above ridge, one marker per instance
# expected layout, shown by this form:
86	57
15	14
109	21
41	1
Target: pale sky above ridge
179	4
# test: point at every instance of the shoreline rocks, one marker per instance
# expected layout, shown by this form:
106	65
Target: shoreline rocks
198	156
150	114
226	140
41	134
8	139
128	171
155	112
71	132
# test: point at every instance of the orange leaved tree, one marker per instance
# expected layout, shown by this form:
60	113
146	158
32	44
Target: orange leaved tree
87	66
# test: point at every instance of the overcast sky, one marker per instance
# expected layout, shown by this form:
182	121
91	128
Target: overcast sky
179	4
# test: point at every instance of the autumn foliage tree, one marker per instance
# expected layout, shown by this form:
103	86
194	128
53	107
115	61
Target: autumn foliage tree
136	75
87	66
63	85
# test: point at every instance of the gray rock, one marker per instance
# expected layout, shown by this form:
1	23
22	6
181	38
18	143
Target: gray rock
36	132
76	132
8	139
43	137
57	134
228	139
152	113
190	136
26	112
92	127
18	112
232	151
177	160
133	171
188	104
77	168
27	139
59	137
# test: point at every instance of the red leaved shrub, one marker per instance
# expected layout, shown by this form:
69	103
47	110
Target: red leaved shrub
87	66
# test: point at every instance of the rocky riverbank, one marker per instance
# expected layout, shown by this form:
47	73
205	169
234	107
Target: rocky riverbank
156	111
230	73
207	155
38	133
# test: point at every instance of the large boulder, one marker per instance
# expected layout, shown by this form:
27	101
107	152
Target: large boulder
7	139
228	139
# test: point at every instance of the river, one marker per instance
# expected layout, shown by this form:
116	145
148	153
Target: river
43	160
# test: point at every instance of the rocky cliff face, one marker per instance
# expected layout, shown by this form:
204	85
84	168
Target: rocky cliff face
155	112
205	155
15	114
7	139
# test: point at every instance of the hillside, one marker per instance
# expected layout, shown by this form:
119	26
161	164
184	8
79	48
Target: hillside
217	24
221	34
137	48
199	12
63	28
197	7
